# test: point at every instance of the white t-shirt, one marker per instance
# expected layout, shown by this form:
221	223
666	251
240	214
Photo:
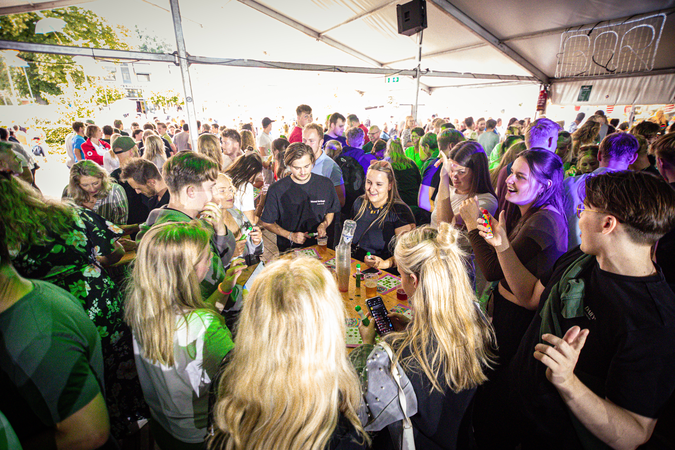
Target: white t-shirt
244	200
265	141
178	396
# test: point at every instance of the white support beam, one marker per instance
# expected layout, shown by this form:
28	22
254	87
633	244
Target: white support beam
127	55
360	16
490	38
185	73
100	53
309	32
39	6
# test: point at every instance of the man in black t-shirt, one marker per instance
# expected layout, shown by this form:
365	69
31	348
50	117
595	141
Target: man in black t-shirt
301	203
604	360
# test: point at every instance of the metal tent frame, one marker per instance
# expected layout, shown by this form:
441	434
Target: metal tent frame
182	59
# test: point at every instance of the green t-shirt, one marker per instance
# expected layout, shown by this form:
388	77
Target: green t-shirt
51	364
422	165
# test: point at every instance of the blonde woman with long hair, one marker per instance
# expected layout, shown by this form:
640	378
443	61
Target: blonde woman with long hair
180	340
288	384
446	347
209	145
154	151
380	214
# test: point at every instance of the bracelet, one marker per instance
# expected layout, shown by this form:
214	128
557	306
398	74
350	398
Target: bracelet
223	292
290	233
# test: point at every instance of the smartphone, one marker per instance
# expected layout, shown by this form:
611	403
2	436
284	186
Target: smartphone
379	312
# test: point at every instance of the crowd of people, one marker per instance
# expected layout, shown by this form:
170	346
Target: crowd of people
539	265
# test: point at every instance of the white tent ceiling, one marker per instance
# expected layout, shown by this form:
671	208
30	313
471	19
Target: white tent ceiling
487	40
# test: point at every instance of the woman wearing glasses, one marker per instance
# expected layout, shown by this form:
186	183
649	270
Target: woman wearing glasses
539	238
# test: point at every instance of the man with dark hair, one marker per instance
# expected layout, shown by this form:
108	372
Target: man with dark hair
206	128
489	139
231	144
107	133
470	132
576	122
125	149
144	178
190	178
162	132
117	123
336	129
51	369
149	126
617	152
323	164
649	130
301	203
353	121
137	136
604	364
135	126
304	117
480	126
78	140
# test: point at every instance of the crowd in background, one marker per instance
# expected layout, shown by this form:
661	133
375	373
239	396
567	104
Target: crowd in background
511	238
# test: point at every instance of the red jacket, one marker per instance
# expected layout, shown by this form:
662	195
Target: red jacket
90	152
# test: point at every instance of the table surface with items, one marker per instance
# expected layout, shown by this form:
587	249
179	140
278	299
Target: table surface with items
387	287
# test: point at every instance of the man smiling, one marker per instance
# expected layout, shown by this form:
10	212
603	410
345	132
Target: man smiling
301	203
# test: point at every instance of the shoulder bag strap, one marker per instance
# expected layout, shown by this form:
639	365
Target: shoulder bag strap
408	441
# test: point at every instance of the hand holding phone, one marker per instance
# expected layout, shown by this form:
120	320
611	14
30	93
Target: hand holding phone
379	312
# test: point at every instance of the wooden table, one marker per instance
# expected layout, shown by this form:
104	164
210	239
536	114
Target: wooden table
355	296
351	298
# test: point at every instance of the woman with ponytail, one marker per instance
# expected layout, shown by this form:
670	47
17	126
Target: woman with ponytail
445	348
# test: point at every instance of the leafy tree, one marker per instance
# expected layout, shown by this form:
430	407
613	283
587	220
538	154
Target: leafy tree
151	43
49	74
166	99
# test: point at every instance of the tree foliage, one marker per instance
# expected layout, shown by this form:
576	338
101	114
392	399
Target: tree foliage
49	74
150	43
166	99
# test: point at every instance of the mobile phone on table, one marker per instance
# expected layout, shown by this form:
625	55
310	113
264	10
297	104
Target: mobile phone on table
379	312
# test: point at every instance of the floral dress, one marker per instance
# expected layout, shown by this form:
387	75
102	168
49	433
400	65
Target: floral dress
70	262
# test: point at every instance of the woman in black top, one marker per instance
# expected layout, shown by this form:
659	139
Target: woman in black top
380	214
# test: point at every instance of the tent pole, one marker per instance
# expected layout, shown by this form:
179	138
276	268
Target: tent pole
185	74
11	83
417	75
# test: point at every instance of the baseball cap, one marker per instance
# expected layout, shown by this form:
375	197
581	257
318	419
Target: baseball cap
123	144
266	121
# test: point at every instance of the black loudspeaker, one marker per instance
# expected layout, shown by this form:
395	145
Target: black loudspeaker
412	17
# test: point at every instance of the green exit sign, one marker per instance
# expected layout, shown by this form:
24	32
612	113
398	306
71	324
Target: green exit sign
392	80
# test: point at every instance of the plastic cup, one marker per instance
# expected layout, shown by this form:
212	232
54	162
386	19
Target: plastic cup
370	282
323	244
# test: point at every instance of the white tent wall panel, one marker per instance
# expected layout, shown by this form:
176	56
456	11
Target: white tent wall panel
657	89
